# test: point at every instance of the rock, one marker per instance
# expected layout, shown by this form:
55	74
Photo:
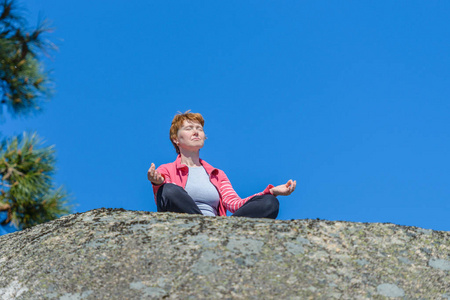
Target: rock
118	254
390	290
440	264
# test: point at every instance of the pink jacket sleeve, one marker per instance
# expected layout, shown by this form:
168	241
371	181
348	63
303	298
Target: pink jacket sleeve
230	198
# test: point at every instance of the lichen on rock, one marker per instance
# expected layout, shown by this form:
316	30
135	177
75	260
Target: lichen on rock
119	254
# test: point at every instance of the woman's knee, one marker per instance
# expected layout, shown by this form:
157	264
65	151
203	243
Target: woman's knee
171	191
174	198
268	206
168	194
271	203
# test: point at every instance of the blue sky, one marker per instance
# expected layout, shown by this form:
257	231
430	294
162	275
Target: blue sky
350	98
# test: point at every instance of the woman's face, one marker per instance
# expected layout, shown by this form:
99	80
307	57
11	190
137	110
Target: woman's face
190	136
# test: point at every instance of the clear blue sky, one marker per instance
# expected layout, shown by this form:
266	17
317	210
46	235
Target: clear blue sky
350	98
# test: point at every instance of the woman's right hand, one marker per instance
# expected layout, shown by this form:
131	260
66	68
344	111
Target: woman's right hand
154	176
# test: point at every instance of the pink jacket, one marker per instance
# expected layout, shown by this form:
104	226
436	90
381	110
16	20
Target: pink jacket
177	173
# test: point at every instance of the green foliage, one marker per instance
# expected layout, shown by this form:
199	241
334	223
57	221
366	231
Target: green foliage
26	168
23	83
26	184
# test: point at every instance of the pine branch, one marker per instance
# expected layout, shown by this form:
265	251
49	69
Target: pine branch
26	170
23	83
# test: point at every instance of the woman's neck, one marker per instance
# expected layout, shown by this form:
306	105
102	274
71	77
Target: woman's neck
190	159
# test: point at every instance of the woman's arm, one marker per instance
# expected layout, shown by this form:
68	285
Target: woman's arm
231	199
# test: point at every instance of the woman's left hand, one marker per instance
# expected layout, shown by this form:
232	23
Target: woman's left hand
284	189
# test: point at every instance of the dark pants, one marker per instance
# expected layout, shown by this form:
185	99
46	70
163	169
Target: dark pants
173	198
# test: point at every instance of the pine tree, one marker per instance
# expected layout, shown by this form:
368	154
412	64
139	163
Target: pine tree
26	168
27	187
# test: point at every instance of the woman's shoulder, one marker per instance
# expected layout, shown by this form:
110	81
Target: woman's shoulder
168	166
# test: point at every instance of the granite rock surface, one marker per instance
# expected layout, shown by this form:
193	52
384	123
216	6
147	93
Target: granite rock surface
119	254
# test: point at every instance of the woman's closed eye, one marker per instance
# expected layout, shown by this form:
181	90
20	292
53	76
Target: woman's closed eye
191	127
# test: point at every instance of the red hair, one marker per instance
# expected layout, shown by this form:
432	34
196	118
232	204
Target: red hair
178	121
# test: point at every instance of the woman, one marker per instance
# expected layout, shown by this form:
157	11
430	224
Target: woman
191	185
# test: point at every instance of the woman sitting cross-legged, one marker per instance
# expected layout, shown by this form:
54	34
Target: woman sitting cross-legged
191	185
